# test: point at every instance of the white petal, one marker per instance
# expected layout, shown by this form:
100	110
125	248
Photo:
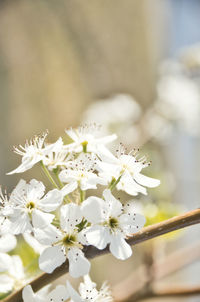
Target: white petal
69	188
131	223
120	248
86	184
48	235
88	282
108	195
128	185
51	258
91	180
72	134
73	294
104	153
16	269
33	242
70	216
43	292
115	206
87	289
92	209
81	237
5	262
5	222
130	162
107	139
68	175
27	164
6	283
51	201
59	294
111	169
36	189
53	147
41	219
7	243
99	236
20	223
94	180
78	264
146	181
18	190
28	294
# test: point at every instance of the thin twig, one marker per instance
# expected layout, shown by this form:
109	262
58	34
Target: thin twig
147	233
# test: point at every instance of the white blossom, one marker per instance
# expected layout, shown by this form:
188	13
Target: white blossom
88	292
125	172
85	140
12	273
81	173
57	226
29	206
110	225
66	242
7	242
33	152
57	157
59	294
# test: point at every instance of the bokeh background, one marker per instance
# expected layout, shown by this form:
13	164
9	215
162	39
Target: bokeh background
132	66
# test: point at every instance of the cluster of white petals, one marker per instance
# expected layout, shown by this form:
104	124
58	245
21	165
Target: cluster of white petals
12	273
87	293
111	224
61	222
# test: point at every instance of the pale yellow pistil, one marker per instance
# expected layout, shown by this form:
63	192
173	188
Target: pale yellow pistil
30	207
84	144
113	223
68	241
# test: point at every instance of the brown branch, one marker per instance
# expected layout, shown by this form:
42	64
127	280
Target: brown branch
178	292
177	260
147	233
161	268
125	289
164	293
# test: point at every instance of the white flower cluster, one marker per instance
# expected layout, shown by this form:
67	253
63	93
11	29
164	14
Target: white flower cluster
67	218
87	293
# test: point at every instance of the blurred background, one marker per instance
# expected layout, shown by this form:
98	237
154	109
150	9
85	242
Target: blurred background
132	66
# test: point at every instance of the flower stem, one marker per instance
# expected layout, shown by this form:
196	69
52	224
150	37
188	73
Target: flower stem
82	195
47	173
113	183
56	172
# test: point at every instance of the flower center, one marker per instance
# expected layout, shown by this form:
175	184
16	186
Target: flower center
30	205
113	223
69	240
